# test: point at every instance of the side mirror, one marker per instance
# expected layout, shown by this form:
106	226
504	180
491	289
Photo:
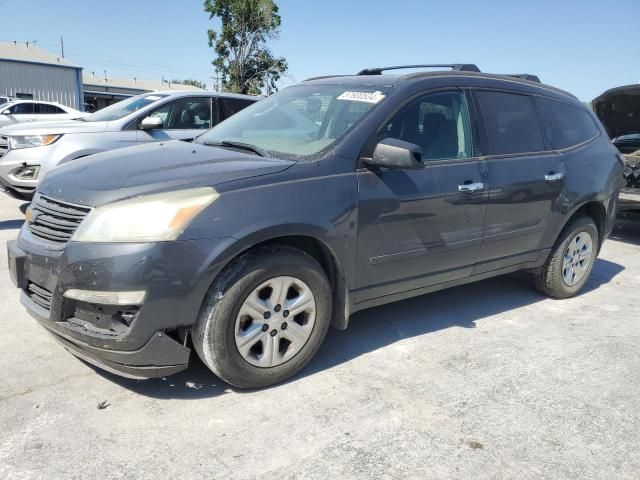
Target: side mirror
150	123
394	153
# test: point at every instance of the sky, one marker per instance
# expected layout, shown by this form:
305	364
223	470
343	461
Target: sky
585	47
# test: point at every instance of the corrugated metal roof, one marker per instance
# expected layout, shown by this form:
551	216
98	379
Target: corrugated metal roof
20	52
134	84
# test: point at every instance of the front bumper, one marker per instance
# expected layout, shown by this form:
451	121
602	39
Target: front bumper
175	275
12	161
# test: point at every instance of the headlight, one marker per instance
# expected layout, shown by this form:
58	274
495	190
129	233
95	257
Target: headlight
28	141
151	218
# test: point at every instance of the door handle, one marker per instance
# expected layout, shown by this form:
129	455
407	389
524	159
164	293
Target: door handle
554	177
470	187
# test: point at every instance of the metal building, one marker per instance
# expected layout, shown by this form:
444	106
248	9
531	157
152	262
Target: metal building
30	72
100	92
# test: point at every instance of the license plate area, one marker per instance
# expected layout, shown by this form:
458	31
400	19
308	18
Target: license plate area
16	259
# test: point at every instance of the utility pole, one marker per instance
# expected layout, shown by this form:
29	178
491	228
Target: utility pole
62	47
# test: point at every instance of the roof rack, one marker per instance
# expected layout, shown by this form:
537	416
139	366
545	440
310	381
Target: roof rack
460	67
524	76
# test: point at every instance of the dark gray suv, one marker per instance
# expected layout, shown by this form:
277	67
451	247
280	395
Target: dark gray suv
334	195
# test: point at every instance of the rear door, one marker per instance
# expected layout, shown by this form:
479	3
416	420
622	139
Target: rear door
182	119
526	178
422	227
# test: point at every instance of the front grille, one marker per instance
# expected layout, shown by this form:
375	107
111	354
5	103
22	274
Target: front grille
4	145
40	295
54	220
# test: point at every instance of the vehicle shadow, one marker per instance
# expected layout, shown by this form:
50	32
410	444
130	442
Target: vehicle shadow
461	306
626	230
377	328
11	224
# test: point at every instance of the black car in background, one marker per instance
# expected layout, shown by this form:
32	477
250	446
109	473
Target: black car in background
335	195
619	111
628	143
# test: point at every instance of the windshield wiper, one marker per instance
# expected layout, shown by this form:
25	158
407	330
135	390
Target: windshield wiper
239	145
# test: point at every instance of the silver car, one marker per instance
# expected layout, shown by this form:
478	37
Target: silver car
19	111
29	151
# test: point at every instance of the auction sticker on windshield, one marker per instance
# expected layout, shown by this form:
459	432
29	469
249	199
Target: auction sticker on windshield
367	97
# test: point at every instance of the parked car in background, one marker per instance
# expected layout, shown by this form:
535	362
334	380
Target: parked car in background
331	196
19	111
628	143
28	152
619	111
4	99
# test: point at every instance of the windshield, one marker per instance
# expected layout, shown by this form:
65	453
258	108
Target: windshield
123	108
299	121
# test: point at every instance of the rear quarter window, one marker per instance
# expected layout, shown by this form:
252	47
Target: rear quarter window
231	106
511	122
566	125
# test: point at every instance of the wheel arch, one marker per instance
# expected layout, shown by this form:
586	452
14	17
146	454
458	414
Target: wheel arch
593	209
311	241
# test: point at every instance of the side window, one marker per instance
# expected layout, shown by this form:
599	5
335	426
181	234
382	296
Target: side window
185	114
438	123
21	109
512	123
231	106
43	108
566	125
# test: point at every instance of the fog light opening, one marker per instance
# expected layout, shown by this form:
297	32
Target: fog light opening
28	172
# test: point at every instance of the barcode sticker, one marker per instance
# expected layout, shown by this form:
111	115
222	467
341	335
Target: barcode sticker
367	97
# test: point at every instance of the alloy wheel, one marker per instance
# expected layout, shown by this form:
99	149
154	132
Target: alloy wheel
577	259
275	321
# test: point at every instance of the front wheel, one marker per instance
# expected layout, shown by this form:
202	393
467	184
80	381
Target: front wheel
571	260
264	318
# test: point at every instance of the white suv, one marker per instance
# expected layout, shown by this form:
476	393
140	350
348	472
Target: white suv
29	150
18	111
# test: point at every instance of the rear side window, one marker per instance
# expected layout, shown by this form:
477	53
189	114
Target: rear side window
512	123
44	108
567	125
231	106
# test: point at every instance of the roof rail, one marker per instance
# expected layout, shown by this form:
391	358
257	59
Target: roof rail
524	76
460	67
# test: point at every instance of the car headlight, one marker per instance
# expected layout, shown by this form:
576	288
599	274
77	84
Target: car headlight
151	218
27	141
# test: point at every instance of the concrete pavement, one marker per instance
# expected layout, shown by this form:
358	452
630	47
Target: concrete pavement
489	380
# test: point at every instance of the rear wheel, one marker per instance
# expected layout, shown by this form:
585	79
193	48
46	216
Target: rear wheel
571	260
264	318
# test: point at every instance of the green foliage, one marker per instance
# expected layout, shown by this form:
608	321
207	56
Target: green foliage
191	81
244	62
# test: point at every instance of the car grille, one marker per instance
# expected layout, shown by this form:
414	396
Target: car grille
4	145
54	220
40	295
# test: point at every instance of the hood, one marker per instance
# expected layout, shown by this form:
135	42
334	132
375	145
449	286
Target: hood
49	127
619	110
152	168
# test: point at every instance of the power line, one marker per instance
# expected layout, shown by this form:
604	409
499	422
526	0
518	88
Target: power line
112	60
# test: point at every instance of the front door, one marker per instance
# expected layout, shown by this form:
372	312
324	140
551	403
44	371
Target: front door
422	227
182	119
526	179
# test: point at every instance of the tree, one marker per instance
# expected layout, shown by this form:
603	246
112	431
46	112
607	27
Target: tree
191	81
243	60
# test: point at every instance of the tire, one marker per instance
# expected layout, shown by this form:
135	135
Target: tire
217	334
552	279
